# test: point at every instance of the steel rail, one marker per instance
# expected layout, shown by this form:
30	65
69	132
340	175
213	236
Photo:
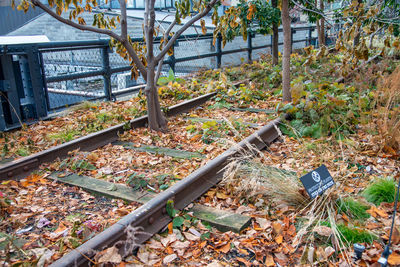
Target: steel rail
152	216
19	168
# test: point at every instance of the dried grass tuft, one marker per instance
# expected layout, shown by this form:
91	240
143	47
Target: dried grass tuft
388	113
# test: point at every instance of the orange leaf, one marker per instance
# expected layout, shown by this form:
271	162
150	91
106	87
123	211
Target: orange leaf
269	261
394	259
170	250
277	228
279	239
225	248
376	212
170	225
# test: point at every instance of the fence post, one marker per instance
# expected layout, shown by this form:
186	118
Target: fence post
171	59
292	32
107	72
249	46
219	52
309	36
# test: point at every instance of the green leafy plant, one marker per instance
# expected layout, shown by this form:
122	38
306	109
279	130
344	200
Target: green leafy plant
381	190
171	78
353	208
323	109
82	165
137	181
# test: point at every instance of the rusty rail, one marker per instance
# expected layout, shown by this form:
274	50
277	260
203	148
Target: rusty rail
152	216
21	167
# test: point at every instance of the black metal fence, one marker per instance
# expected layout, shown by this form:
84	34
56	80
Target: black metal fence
77	71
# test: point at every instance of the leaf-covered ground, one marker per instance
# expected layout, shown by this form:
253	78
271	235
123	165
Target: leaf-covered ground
339	125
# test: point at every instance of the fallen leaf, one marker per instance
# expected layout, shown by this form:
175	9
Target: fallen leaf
225	248
170	258
323	230
395	236
264	223
111	255
377	212
277	228
269	261
329	251
170	228
170	238
279	239
190	236
221	195
394	259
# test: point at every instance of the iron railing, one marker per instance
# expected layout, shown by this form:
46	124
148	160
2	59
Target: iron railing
76	71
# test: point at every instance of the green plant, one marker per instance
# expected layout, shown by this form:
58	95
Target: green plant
381	190
355	235
137	181
23	152
171	78
350	235
323	109
353	208
66	136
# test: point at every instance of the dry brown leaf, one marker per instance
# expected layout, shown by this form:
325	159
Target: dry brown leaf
221	195
377	212
225	248
269	261
170	258
264	223
277	228
191	237
395	236
111	255
279	239
323	230
394	259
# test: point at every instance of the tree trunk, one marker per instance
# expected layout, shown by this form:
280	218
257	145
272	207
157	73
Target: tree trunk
322	24
287	45
156	118
275	38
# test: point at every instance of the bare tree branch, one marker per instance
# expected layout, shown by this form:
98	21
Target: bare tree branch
185	26
161	61
108	32
313	11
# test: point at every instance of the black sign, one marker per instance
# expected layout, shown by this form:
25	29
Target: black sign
317	181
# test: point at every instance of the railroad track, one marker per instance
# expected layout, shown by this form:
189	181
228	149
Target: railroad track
151	217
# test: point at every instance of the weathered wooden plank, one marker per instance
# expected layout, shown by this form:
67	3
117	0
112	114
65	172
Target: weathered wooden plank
197	119
222	220
104	188
6	160
254	110
175	153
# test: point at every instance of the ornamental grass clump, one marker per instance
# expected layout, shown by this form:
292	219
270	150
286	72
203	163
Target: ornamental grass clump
353	208
249	177
381	190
